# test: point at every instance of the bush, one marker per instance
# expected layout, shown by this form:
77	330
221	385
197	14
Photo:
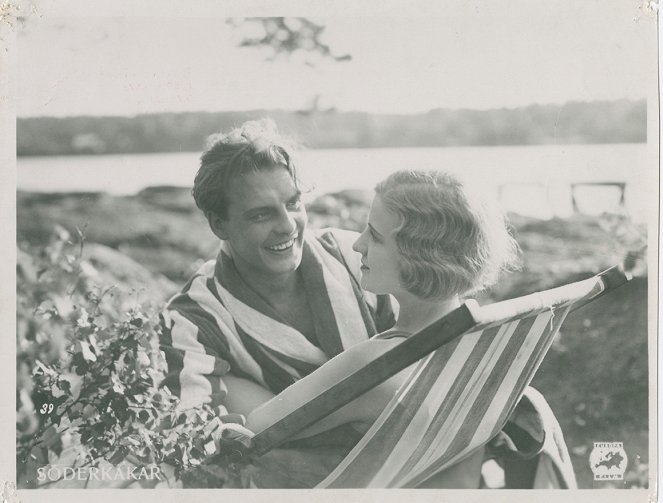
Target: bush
88	374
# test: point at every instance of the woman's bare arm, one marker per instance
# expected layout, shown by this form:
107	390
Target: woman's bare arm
364	409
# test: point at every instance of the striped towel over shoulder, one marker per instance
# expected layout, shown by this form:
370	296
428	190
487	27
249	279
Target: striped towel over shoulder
217	324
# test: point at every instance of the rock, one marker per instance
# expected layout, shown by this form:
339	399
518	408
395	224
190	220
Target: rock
347	209
355	197
325	205
112	267
168	197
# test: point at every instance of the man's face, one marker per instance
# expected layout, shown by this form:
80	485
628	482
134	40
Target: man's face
265	222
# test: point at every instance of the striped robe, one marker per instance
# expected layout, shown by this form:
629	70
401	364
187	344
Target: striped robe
218	325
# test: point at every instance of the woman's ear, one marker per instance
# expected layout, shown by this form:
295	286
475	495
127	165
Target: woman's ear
217	224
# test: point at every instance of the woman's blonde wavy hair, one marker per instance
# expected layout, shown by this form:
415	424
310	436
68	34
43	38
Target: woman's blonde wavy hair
450	240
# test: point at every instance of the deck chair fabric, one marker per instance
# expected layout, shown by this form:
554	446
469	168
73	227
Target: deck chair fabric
473	367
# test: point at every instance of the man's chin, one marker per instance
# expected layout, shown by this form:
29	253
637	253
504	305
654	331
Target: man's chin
285	263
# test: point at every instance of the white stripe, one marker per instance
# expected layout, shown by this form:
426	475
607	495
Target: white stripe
377	424
184	334
195	389
271	333
432	402
199	293
348	317
488	422
417	427
459	413
345	240
415	431
521	362
421	420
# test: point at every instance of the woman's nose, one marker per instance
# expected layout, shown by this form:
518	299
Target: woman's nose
359	245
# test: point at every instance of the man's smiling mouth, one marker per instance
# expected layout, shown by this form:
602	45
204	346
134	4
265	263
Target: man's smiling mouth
282	246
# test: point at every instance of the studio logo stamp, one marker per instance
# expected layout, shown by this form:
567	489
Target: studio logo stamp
608	460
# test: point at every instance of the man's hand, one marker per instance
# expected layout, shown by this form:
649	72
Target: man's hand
229	437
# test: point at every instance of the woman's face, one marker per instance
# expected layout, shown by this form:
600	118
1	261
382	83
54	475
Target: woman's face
379	252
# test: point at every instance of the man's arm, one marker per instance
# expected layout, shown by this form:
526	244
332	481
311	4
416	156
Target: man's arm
244	395
197	374
197	351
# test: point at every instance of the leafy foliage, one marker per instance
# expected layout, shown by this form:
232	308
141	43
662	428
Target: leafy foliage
287	36
89	368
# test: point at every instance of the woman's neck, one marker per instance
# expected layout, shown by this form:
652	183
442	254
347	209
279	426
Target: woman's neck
415	313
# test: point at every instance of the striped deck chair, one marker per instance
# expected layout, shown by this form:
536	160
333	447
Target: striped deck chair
474	365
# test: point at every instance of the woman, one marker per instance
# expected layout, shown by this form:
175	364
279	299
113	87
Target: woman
429	242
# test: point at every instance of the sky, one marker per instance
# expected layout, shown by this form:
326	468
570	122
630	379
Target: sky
478	56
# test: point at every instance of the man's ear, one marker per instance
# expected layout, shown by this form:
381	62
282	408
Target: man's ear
218	225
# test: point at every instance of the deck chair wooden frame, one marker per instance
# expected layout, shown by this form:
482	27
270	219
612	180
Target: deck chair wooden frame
546	310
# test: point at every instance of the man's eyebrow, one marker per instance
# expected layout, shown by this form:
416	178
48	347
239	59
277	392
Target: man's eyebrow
373	230
257	209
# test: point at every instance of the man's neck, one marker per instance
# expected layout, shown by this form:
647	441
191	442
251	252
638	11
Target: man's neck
269	287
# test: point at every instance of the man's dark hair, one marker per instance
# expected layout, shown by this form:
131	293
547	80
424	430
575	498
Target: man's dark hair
253	146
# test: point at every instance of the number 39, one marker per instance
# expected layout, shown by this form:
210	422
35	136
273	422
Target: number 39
47	408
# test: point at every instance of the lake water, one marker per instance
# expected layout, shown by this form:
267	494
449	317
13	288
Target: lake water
533	180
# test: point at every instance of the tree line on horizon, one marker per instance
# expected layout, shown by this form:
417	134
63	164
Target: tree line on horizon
621	121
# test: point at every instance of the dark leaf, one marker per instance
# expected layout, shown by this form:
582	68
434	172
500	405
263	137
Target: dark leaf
107	420
64	385
136	322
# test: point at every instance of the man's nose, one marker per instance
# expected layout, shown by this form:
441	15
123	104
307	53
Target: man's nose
286	222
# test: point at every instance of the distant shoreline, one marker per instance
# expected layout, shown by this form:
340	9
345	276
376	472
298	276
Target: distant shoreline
599	122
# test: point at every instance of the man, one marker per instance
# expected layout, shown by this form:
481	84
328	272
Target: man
279	300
